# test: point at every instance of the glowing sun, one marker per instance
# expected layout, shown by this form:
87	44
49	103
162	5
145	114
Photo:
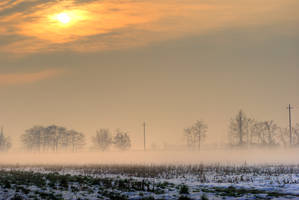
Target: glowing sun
63	18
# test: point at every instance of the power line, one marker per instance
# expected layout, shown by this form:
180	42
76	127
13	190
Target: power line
144	142
290	123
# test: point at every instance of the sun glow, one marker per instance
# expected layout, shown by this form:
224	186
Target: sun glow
63	18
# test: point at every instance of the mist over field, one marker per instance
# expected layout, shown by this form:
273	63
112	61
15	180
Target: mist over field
205	156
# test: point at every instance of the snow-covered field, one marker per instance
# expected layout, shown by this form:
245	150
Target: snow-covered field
212	181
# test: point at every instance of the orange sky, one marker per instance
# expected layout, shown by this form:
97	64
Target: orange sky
126	24
169	62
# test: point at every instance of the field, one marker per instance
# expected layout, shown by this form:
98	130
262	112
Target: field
128	181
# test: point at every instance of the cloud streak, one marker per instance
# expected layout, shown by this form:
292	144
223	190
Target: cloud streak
27	78
110	24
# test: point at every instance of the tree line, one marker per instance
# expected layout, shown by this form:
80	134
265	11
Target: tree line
243	132
104	139
56	138
52	138
246	132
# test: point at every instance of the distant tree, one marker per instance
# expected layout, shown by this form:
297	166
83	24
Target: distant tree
52	138
264	133
252	133
190	140
199	130
33	138
56	135
195	134
283	136
254	129
239	129
296	135
271	132
5	143
103	139
76	140
122	140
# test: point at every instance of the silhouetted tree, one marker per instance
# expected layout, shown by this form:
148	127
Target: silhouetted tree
5	143
271	132
296	135
52	138
195	134
246	131
56	135
264	133
103	139
76	140
188	133
239	129
283	137
33	139
122	140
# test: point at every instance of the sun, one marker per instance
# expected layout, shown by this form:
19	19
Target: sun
63	18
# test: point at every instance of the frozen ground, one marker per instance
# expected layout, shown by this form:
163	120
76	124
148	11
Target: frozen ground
150	182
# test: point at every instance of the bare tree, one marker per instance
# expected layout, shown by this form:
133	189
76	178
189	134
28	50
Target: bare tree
56	134
239	129
122	140
195	134
32	139
103	139
199	131
296	135
52	138
283	136
245	131
5	143
264	133
271	133
76	140
188	133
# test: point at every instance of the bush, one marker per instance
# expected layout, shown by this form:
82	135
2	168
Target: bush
184	189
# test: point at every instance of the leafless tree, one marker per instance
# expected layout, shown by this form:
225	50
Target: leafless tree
5	143
264	133
52	138
246	131
122	140
33	138
103	139
296	135
239	129
188	134
195	134
76	140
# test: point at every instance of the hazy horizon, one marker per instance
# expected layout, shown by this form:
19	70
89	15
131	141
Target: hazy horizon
117	64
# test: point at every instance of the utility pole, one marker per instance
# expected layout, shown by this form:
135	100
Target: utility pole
144	144
290	122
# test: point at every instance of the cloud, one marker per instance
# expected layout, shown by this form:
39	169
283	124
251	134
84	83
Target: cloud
27	78
99	25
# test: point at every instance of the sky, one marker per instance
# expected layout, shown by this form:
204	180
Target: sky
114	64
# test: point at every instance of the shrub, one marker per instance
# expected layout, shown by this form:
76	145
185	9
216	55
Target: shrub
184	189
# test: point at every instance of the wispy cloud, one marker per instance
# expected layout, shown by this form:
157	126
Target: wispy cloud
111	24
27	78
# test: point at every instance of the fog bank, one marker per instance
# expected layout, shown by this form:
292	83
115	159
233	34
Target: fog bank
228	157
